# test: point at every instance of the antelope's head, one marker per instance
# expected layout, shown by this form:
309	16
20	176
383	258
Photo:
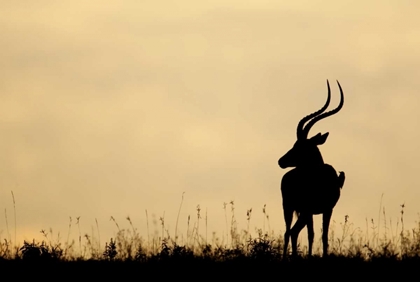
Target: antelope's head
305	151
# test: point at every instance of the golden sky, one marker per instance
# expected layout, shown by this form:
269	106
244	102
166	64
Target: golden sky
111	108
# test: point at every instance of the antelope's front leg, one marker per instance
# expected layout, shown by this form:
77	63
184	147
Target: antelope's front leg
310	227
294	233
288	217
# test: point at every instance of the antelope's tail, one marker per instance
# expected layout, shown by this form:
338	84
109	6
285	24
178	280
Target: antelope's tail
341	178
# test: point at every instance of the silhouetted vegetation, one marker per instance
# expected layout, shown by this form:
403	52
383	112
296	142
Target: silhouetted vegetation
350	250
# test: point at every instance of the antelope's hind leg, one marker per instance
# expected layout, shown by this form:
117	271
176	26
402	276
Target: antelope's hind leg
326	217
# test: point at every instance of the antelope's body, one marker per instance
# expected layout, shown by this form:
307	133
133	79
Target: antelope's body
311	191
312	186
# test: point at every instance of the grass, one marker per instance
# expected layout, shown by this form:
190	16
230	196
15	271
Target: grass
351	251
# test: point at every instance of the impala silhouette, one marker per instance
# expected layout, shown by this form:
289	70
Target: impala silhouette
312	187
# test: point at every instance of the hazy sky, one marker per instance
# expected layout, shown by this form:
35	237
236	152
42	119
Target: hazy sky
111	108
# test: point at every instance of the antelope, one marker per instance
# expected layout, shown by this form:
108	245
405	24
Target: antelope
312	187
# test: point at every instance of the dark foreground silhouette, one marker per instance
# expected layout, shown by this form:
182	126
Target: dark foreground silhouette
197	269
312	187
251	258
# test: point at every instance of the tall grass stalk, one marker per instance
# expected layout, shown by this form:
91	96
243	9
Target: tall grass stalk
14	213
177	217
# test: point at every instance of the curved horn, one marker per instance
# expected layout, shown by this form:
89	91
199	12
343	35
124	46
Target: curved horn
300	130
324	115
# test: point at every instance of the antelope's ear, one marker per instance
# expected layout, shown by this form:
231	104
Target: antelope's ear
319	139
